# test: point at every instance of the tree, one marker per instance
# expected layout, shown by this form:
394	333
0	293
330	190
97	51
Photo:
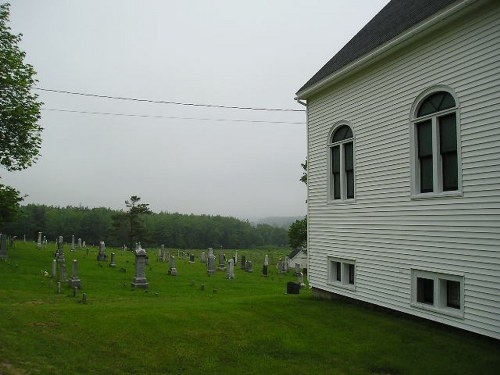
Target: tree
304	174
20	134
9	203
137	230
297	234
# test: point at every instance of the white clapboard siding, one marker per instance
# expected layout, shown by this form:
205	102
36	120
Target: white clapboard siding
384	230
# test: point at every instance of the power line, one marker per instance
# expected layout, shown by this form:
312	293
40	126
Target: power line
171	117
170	102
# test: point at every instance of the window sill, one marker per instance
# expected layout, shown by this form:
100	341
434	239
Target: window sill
341	201
444	194
455	313
351	287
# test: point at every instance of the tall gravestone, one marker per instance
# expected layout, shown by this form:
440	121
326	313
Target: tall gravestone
39	240
265	268
72	242
54	269
203	257
74	282
243	262
230	269
112	263
191	258
172	271
79	243
140	269
222	262
211	265
236	257
3	246
101	257
60	250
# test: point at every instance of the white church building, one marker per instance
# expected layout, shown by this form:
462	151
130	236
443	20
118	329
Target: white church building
403	129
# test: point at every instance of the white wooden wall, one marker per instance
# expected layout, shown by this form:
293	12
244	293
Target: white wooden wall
384	230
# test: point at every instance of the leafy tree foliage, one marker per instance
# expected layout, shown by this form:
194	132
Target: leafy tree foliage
136	210
304	174
9	203
174	230
297	234
20	134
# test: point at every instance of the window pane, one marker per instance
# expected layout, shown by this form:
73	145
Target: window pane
344	132
351	273
448	150
336	159
350	184
447	133
424	144
425	290
336	171
450	171
453	294
426	177
338	275
424	138
435	103
349	169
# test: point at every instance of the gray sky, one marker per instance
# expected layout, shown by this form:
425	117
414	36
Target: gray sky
238	53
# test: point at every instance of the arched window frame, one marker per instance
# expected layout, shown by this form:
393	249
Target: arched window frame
437	173
343	196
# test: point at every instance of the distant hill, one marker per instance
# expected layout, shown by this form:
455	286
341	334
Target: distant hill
278	221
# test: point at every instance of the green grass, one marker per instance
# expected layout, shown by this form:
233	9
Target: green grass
243	326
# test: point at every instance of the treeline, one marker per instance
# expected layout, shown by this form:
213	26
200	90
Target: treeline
174	230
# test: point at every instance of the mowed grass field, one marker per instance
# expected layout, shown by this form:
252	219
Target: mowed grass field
243	326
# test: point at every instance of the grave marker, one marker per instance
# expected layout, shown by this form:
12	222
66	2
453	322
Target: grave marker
140	269
173	267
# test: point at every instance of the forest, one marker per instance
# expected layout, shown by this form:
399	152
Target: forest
174	230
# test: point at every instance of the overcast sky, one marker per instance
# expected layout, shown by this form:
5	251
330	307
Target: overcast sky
235	53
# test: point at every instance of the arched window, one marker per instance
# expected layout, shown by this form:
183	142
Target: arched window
436	153
341	150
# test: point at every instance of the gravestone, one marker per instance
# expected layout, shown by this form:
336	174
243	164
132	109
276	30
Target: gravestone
191	258
163	254
60	250
75	280
54	269
3	246
112	263
249	266
64	276
243	262
45	242
211	264
173	267
222	262
101	257
83	244
140	269
265	268
286	263
72	242
300	280
203	257
39	240
24	238
79	243
230	270
236	257
282	266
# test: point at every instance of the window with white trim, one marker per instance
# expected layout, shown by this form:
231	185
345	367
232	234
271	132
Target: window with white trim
342	272
443	293
341	157
436	153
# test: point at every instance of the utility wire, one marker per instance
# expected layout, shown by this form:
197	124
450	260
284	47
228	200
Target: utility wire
171	117
170	102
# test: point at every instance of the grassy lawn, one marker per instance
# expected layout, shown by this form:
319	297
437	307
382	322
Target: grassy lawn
243	326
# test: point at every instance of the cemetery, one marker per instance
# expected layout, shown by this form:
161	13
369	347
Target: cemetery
66	308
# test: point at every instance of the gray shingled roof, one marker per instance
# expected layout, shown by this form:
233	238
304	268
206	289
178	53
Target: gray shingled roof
395	18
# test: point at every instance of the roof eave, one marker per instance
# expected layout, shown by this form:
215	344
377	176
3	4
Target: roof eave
398	42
